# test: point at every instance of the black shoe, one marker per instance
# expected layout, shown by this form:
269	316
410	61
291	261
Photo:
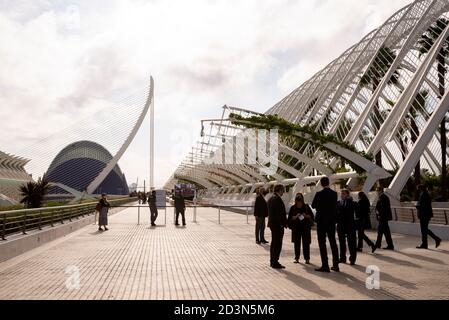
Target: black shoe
373	248
437	243
343	261
176	224
323	269
388	248
106	229
307	261
257	242
99	229
277	266
422	247
335	269
296	261
265	242
153	224
352	263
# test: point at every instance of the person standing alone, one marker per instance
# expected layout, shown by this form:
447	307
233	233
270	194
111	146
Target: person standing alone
325	203
103	209
180	207
261	213
153	207
277	222
425	214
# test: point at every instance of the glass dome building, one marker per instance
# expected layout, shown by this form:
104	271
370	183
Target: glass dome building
79	164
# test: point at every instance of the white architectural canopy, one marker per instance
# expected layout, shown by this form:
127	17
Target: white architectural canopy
387	96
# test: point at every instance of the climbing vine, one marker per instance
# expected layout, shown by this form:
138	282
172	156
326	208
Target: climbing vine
288	129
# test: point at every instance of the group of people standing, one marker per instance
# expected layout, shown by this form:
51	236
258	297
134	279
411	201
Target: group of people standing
346	218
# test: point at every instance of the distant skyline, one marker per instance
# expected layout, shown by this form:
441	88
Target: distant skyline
58	55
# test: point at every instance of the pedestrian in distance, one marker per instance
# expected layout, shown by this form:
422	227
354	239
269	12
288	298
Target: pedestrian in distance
325	203
103	210
425	214
277	222
346	227
363	222
260	213
153	208
300	221
180	207
384	216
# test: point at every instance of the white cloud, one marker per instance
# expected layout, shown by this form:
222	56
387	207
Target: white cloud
59	61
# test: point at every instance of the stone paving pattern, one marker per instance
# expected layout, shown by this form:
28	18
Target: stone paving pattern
207	260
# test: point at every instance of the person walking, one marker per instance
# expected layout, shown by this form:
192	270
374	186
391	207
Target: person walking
325	203
425	214
261	213
103	209
153	207
363	222
180	207
346	228
277	222
300	221
384	215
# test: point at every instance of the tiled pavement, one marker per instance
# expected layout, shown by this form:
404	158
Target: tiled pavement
209	261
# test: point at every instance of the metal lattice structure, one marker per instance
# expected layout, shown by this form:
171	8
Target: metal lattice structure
387	95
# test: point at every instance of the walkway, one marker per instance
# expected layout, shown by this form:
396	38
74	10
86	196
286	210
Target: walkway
209	261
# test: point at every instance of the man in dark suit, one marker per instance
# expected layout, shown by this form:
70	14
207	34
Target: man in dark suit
261	213
346	227
325	203
153	207
425	214
384	215
277	222
180	207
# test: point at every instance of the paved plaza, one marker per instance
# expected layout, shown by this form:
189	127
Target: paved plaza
208	260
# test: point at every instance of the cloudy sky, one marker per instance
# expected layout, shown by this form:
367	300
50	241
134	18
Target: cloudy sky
60	60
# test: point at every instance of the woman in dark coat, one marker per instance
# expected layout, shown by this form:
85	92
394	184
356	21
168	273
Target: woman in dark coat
300	221
363	222
103	205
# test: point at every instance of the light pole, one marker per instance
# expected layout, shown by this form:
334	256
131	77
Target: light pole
152	140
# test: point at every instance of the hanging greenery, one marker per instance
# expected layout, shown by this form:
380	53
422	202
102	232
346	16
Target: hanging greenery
286	128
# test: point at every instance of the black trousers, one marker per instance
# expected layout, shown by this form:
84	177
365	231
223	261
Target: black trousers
154	214
384	230
260	229
363	237
327	230
277	236
182	212
302	237
347	233
425	231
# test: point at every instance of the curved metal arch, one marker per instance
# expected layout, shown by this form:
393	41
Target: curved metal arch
110	166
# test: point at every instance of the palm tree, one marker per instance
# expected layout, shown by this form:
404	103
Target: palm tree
33	193
428	39
372	79
418	104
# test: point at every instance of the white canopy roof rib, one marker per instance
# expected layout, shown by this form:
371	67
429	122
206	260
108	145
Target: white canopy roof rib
384	95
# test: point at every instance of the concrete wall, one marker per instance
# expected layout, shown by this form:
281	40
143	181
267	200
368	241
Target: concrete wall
17	244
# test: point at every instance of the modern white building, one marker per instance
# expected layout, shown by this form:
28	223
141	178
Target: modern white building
12	176
386	95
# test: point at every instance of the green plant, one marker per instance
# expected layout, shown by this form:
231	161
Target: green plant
427	41
33	193
287	129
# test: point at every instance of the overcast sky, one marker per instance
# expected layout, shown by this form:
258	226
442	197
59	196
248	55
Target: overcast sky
57	56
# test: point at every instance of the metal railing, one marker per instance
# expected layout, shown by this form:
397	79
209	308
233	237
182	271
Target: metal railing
410	214
22	221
